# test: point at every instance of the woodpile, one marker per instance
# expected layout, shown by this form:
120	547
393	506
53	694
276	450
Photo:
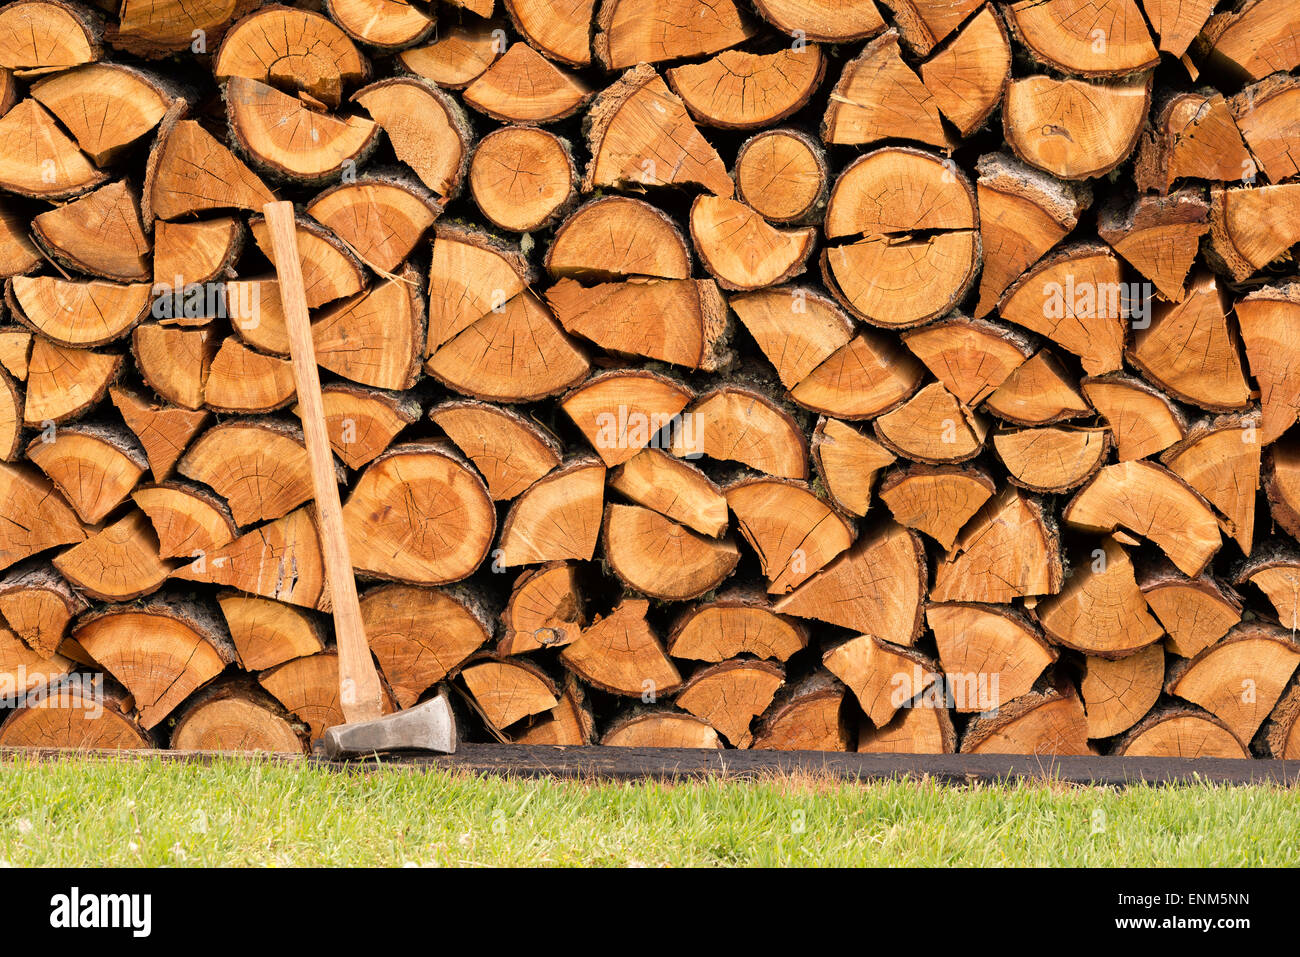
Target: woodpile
911	377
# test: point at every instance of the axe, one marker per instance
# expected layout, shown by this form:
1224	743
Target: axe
430	726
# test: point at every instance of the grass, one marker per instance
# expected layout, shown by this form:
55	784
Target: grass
78	812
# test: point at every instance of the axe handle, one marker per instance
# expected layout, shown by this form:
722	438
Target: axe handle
359	692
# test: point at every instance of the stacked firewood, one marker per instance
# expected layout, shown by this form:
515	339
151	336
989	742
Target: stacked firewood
816	374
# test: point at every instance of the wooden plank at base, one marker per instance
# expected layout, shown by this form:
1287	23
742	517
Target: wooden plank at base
631	764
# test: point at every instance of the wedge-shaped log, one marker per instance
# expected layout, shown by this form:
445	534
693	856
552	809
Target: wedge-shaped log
730	695
428	129
510	451
1117	693
673	487
617	237
736	623
557	517
621	654
160	651
656	556
267	633
1100	610
1151	502
990	654
236	715
809	715
1050	721
936	499
545	609
1010	549
1181	732
794	532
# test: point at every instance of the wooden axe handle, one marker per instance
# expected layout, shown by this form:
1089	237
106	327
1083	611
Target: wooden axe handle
359	691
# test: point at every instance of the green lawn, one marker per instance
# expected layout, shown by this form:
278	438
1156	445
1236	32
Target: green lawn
79	812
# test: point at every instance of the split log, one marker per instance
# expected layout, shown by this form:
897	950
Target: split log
1264	318
11	418
1159	236
971	357
562	31
545	609
616	237
879	97
568	724
442	532
1281	739
926	23
190	172
259	466
164	431
1192	135
1220	459
76	718
523	87
680	321
427	129
734	424
374	339
77	314
1008	550
920	728
1276	572
33	517
1252	41
93	466
362	422
629	32
38	605
1265	114
151	29
1057	33
383	24
1054	459
796	328
621	654
741	250
64	383
99	233
517	354
990	654
661	729
160	651
522	178
379	217
1039	392
847	462
832	21
1100	610
782	174
739	90
623	411
237	716
1141	419
462	52
933	427
1181	732
1118	692
882	677
1153	503
877	587
509	690
794	532
118	563
1046	722
557	517
330	270
39	160
1076	298
471	273
241	380
510	451
1071	128
967	75
675	489
807	716
267	633
284	46
1239	678
870	375
1194	612
734	624
1252	226
187	519
1177	24
937	500
173	361
730	695
282	137
641	135
197	252
47	35
280	560
309	689
1282	486
657	557
1022	214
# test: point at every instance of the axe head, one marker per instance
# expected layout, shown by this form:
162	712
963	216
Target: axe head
430	726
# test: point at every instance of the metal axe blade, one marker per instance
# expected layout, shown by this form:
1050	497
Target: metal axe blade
430	726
